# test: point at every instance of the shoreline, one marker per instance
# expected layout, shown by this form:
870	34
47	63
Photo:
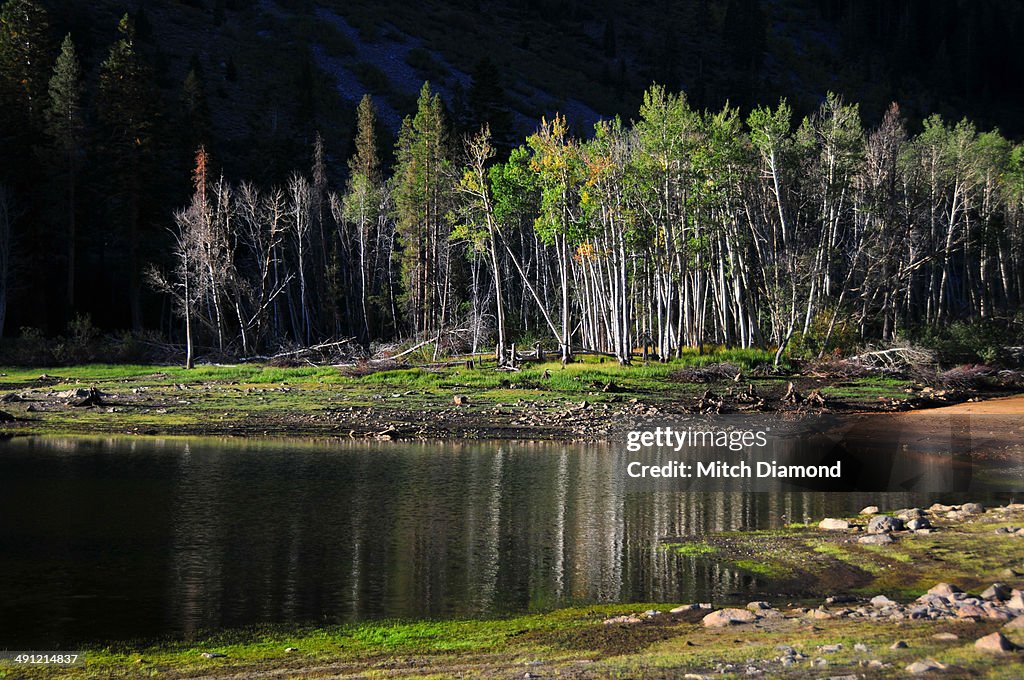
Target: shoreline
582	403
926	599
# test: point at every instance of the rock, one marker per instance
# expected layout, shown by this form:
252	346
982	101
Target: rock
460	400
1016	624
870	510
830	649
970	611
683	608
946	637
93	398
758	606
919	524
924	666
11	398
876	539
972	508
995	642
996	591
291	649
830	524
881	601
860	647
213	655
625	619
909	514
728	617
899	644
1016	601
6	417
875	663
944	590
883	524
939	507
820	614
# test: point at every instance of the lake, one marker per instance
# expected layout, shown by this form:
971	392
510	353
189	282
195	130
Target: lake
107	538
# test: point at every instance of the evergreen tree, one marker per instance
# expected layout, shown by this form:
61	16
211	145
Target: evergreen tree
65	125
422	191
24	57
126	109
361	206
24	70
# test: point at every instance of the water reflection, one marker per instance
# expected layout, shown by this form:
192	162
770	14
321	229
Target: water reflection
112	538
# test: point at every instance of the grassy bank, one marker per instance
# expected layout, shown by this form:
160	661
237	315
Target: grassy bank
581	642
545	400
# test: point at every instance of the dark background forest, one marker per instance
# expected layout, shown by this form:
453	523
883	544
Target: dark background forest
270	88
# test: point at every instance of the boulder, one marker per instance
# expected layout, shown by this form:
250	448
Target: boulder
944	590
870	510
919	523
996	591
972	508
758	606
1016	624
630	619
909	514
728	617
683	608
924	666
995	642
881	601
970	611
883	524
876	539
830	524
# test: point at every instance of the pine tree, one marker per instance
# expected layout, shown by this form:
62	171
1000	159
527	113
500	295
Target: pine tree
361	205
126	109
66	127
422	189
24	57
24	70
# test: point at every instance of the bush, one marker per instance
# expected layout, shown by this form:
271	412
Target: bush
843	341
978	342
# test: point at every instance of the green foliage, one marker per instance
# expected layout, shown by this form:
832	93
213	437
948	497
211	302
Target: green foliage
844	340
64	116
964	342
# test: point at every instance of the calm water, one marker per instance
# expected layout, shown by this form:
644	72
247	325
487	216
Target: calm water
114	538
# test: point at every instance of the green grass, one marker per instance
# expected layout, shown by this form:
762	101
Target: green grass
695	549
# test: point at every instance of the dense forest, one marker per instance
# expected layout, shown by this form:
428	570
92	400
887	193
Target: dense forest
773	225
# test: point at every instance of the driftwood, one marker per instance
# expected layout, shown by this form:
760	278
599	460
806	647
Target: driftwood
894	358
